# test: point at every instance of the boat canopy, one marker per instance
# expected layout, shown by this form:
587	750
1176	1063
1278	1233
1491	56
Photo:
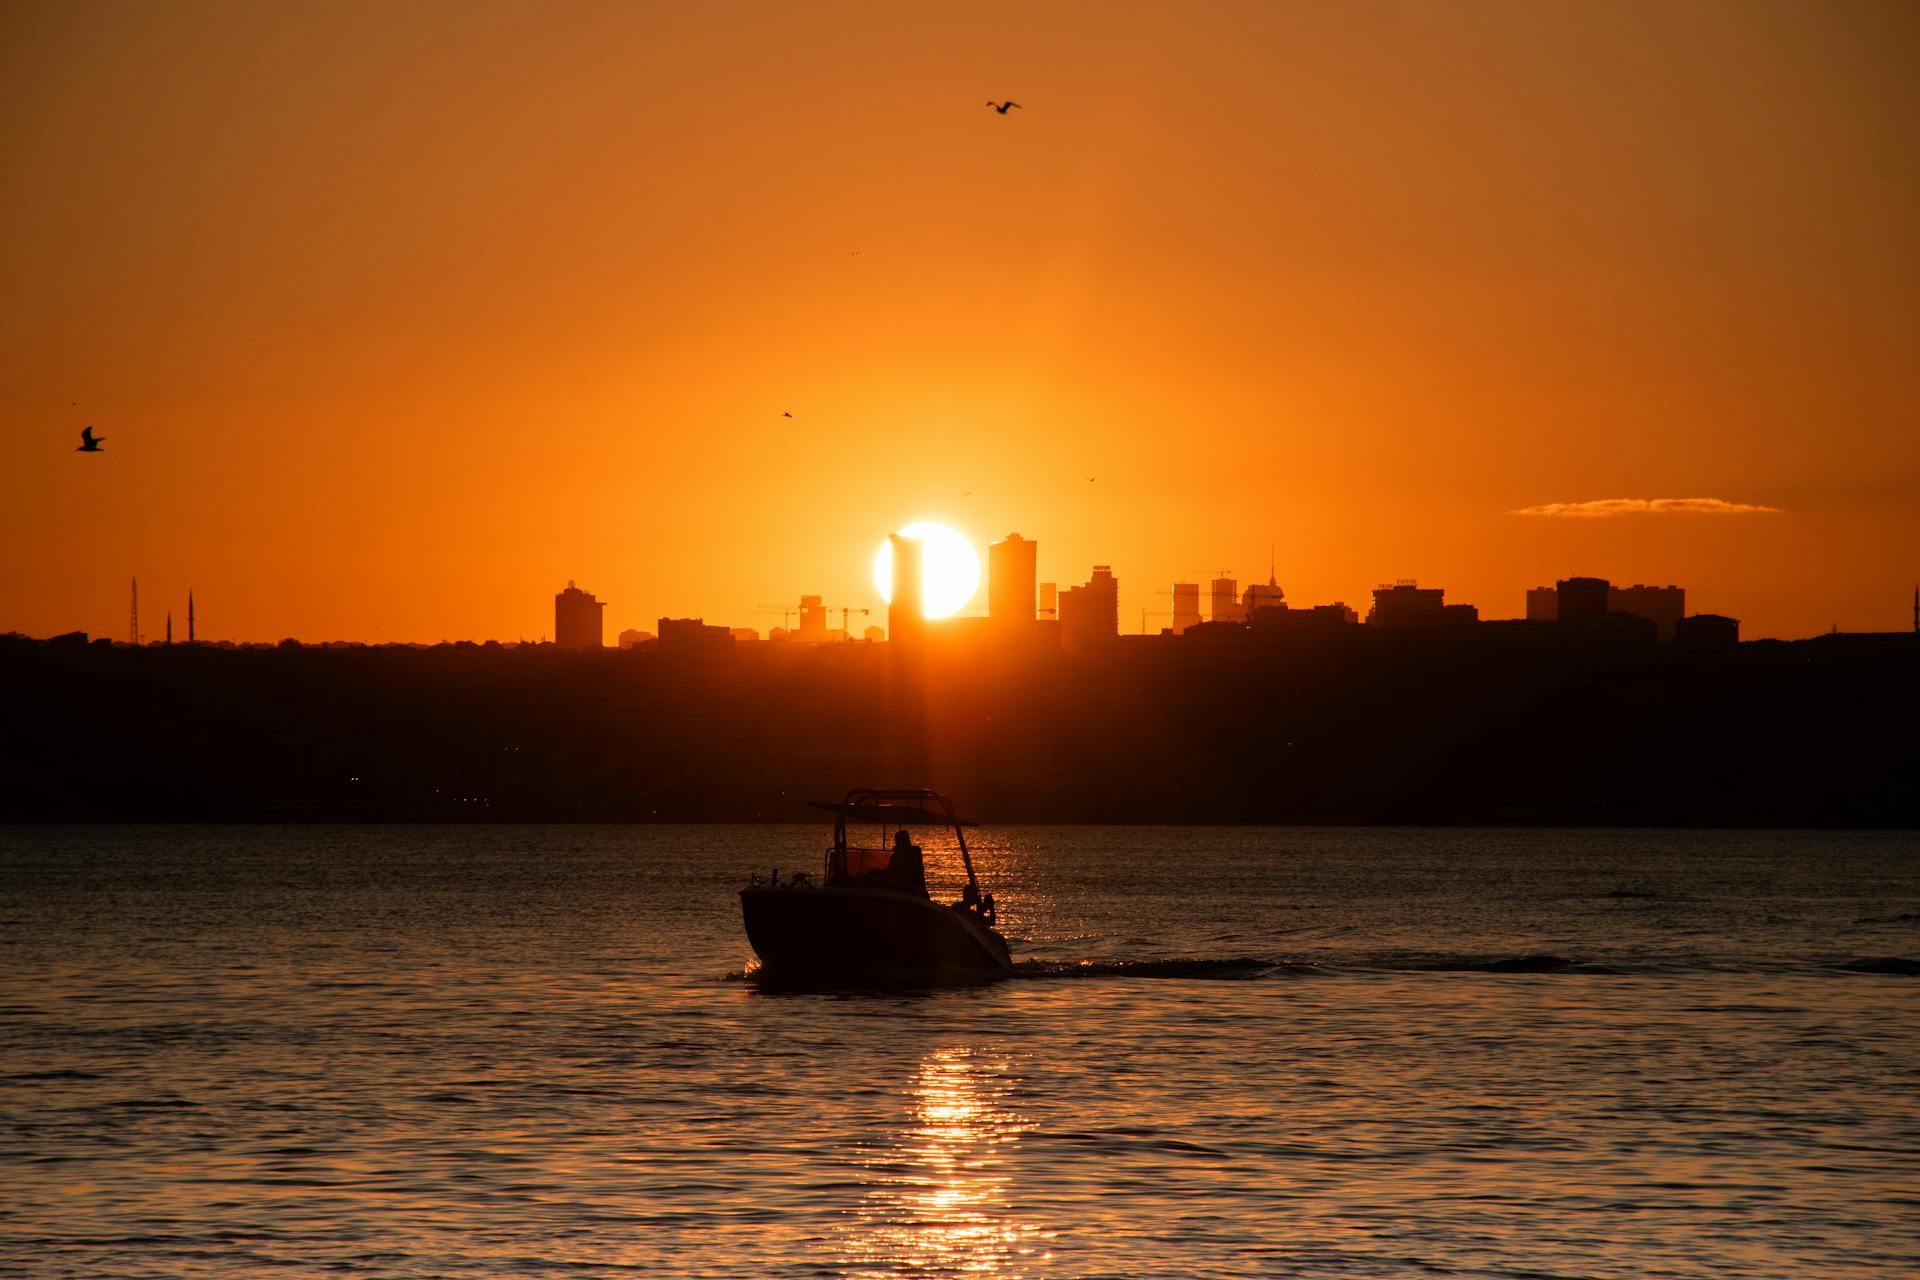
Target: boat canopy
892	813
890	807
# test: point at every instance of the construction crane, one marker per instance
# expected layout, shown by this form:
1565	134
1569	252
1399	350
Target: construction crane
787	613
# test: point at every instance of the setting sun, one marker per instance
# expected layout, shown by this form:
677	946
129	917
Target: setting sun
949	563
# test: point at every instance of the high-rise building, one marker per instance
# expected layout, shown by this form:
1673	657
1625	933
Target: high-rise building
1186	606
1225	603
1662	606
1090	614
1262	595
1010	582
692	638
1408	604
577	619
1591	599
1580	599
907	610
813	622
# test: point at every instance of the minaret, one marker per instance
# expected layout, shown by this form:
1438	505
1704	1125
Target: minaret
169	626
133	615
189	617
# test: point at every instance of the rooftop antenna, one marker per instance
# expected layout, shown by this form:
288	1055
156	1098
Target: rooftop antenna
133	615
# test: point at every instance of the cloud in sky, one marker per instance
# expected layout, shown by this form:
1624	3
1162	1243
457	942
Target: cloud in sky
1601	507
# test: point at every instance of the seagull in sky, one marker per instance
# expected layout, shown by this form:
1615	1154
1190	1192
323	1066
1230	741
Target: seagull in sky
89	442
1002	107
786	415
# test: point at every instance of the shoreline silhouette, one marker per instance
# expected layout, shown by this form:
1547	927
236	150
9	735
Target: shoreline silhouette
1354	726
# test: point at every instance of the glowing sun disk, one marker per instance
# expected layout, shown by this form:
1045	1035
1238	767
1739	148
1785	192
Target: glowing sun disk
949	568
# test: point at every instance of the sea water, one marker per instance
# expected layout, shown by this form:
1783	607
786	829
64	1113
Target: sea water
539	1051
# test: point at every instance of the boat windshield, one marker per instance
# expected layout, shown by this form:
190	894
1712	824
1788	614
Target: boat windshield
865	848
870	854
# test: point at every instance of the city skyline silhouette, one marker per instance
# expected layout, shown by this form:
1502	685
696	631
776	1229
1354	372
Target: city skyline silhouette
1256	637
386	350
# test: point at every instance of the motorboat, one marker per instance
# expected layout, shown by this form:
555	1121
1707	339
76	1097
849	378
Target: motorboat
870	921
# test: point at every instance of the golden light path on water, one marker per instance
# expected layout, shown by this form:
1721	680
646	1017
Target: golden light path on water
941	1199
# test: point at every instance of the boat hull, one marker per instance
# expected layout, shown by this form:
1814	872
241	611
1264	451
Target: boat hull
848	938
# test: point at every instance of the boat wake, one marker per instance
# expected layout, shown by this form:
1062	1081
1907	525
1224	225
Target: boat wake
1220	970
1250	968
1244	968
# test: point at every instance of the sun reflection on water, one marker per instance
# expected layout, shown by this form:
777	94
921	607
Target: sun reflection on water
941	1198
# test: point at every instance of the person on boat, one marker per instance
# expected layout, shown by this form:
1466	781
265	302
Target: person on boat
905	864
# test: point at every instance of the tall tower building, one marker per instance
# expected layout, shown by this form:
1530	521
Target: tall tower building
1186	606
1090	614
189	617
1407	604
813	621
1011	580
1662	606
1225	601
1581	599
577	619
907	610
1263	595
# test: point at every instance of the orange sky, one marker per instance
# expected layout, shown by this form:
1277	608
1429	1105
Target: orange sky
395	318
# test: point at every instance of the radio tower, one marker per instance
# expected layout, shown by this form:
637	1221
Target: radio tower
133	615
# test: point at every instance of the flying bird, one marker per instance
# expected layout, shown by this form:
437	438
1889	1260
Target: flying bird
786	415
1002	107
89	442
